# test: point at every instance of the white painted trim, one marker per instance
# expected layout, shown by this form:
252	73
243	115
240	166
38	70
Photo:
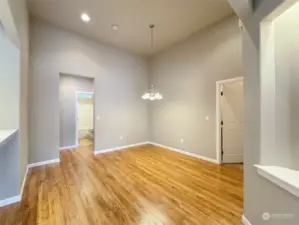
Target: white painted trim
218	113
24	182
9	201
68	147
6	135
119	148
285	178
84	92
43	163
17	198
245	221
231	80
159	145
186	153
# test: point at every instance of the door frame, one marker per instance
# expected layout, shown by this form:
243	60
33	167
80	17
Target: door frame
218	113
77	108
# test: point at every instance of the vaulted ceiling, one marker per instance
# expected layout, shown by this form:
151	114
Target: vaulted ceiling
174	19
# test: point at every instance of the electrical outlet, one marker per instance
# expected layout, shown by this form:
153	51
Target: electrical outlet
121	137
207	118
182	140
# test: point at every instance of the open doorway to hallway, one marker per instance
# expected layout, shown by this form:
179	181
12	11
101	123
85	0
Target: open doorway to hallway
85	118
76	99
230	120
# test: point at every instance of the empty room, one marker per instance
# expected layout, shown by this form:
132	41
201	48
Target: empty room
149	112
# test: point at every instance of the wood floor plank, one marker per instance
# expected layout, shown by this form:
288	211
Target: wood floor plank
143	185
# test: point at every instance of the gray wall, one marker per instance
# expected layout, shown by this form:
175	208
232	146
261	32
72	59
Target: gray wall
9	168
9	116
67	96
260	195
186	75
21	20
9	83
120	79
15	21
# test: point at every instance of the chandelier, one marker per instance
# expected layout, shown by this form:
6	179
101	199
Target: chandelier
151	94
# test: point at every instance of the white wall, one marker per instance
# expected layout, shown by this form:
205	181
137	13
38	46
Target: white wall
186	75
120	79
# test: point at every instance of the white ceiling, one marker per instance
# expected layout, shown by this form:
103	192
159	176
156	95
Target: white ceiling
174	19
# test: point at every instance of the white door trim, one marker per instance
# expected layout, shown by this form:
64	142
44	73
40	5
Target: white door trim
77	127
218	114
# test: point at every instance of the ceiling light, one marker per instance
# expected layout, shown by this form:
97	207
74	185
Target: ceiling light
85	17
151	94
114	27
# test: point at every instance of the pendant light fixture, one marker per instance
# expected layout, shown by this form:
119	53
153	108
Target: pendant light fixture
151	94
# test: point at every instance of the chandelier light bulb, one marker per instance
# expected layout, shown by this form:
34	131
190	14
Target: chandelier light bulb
146	95
158	96
151	94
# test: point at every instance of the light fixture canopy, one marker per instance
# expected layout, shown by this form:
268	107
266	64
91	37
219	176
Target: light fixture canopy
152	94
152	26
85	17
115	27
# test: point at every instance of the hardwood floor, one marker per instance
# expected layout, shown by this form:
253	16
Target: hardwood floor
144	185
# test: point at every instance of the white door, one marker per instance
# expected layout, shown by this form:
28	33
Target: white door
232	106
85	117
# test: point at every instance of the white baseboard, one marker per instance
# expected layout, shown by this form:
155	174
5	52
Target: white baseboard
43	163
18	198
119	148
9	201
245	221
186	153
68	147
159	145
24	182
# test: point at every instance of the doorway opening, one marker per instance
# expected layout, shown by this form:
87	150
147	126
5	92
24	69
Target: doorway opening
76	113
229	120
84	118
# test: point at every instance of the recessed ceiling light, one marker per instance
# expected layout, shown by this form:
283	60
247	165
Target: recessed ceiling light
114	27
85	17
